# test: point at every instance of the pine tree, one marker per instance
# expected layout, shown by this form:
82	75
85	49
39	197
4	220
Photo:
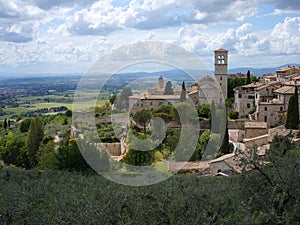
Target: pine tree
34	137
168	89
248	77
183	92
292	119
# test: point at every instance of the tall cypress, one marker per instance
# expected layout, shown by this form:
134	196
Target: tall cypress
248	77
5	123
183	92
292	119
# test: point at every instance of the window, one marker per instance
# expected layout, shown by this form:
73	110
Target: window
160	103
281	108
256	96
266	119
248	105
220	84
151	103
221	78
266	108
137	104
151	109
240	95
221	59
142	105
169	103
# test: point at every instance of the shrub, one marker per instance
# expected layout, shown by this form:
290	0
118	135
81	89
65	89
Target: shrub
233	115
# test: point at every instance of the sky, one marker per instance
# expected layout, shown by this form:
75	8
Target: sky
55	36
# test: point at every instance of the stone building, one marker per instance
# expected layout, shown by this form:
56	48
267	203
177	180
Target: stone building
221	64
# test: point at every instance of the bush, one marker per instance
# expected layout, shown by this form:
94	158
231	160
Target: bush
233	115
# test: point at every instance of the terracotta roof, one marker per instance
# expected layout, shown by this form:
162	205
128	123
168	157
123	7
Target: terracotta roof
206	78
285	90
253	85
154	97
283	69
176	166
257	125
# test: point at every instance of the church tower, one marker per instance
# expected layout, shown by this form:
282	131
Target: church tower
221	63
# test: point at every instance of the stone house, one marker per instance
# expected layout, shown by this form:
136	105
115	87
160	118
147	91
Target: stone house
244	98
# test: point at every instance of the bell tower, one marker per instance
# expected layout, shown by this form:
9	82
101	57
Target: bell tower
221	63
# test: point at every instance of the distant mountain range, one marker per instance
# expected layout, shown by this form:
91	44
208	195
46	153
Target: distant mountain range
258	71
168	74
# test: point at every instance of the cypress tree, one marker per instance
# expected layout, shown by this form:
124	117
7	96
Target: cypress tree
183	92
5	123
168	89
34	137
248	77
292	119
225	147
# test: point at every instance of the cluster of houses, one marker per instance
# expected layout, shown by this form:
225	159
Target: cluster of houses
267	100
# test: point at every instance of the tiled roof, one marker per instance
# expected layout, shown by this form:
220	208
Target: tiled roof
285	90
154	97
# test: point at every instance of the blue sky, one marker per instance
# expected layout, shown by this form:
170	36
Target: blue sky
54	36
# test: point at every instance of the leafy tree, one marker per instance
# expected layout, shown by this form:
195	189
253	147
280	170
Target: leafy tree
248	81
112	99
8	123
13	151
183	92
123	98
204	111
164	112
232	84
135	155
69	157
142	118
233	115
168	89
68	113
24	126
46	156
5	124
34	137
292	118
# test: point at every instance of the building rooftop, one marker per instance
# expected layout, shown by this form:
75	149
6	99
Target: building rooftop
221	50
253	85
257	125
272	102
155	97
285	90
287	68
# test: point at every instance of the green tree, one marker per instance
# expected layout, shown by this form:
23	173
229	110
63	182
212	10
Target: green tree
292	118
226	147
142	118
164	112
13	151
168	89
204	111
68	113
248	81
183	92
112	99
34	137
135	155
234	83
5	124
24	126
123	99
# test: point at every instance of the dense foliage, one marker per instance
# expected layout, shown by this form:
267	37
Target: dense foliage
292	118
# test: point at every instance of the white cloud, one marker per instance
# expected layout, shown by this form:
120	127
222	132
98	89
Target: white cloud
286	36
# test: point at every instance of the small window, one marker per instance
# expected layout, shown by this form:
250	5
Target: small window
151	103
281	109
266	108
160	103
142	105
248	105
151	109
220	84
137	104
240	95
256	96
169	103
221	78
266	119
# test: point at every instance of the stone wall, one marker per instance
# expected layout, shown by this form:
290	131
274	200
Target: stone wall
256	142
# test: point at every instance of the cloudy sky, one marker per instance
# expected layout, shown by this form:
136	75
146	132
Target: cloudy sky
55	36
